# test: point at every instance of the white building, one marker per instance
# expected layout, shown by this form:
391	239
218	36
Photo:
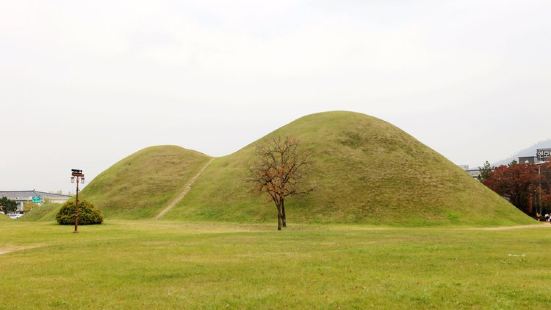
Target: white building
474	173
32	196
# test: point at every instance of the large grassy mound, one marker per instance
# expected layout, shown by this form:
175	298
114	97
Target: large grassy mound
140	185
364	171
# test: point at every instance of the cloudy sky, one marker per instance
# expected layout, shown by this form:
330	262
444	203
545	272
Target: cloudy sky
85	83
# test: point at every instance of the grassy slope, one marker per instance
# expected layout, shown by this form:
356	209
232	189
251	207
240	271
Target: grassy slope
140	185
165	265
365	171
45	212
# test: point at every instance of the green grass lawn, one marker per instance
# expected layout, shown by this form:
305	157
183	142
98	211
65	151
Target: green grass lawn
158	265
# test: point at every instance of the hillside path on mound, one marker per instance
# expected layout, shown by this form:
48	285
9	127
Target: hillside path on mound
184	192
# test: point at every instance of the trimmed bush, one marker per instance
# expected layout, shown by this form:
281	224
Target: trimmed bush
88	214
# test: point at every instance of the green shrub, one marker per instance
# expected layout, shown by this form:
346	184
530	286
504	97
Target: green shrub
88	214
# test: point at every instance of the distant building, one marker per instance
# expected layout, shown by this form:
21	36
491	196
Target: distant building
474	173
542	155
21	197
527	160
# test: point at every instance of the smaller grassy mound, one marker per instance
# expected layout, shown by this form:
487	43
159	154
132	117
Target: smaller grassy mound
140	185
45	212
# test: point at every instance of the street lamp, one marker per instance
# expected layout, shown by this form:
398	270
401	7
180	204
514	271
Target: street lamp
78	177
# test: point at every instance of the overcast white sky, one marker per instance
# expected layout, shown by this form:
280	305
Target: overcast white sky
85	83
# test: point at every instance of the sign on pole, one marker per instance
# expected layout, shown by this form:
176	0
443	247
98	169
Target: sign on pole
543	154
37	199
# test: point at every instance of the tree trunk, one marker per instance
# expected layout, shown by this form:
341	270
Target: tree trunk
530	203
279	217
283	216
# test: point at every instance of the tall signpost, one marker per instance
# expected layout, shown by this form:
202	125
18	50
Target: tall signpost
539	190
542	156
78	177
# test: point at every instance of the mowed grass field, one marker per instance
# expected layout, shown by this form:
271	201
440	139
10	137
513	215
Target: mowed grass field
160	265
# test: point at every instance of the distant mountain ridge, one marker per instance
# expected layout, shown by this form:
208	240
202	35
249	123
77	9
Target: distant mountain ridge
530	151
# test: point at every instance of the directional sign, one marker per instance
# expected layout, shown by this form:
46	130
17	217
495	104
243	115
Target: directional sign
544	154
37	199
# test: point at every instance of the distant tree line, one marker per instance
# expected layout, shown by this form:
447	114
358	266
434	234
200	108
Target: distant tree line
527	186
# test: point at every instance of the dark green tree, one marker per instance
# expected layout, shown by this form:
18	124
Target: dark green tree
7	205
485	172
88	214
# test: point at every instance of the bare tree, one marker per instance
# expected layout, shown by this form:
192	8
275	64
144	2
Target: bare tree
278	171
